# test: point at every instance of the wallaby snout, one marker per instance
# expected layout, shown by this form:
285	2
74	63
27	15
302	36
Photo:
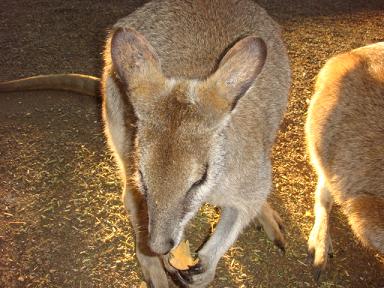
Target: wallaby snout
160	245
164	229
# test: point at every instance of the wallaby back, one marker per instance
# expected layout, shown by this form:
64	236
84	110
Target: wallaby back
345	136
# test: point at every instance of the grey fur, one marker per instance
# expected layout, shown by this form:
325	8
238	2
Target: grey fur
173	59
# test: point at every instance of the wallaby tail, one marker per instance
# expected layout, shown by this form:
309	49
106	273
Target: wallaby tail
366	217
79	83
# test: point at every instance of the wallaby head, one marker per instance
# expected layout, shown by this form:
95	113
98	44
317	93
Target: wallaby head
180	136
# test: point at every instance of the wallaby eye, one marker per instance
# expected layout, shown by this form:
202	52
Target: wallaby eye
202	179
144	188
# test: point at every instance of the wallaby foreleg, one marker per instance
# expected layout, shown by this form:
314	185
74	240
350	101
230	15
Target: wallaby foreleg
232	222
151	264
319	242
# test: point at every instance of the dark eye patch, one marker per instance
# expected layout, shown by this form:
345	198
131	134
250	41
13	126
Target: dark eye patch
144	188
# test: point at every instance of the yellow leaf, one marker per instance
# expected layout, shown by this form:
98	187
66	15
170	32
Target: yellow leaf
181	257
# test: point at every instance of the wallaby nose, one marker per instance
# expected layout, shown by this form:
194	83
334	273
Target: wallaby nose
160	246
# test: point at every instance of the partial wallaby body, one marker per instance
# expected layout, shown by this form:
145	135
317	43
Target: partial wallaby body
193	95
345	139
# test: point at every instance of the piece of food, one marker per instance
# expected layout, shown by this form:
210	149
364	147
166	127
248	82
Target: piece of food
143	285
181	257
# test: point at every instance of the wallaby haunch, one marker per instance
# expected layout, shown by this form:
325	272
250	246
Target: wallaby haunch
345	139
193	95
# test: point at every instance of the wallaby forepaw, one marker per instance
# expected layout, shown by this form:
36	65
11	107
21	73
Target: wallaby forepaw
318	268
319	260
196	276
186	276
317	271
182	280
319	249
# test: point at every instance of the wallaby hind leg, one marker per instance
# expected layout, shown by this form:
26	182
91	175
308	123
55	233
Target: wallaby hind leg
272	224
232	221
366	218
319	242
150	263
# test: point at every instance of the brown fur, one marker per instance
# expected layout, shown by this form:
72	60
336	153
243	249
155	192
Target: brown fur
345	137
366	217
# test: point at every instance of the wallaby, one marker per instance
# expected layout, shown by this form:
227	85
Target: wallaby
345	138
193	95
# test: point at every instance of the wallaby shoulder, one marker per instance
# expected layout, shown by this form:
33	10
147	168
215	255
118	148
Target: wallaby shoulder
348	71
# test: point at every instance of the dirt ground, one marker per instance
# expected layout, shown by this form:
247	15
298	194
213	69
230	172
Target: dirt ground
61	219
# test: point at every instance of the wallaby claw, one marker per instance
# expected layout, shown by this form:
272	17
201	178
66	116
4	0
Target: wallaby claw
180	279
281	226
193	270
186	276
184	279
196	269
280	244
318	267
319	250
317	273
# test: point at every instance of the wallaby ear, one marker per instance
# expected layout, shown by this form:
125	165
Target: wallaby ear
133	58
238	69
